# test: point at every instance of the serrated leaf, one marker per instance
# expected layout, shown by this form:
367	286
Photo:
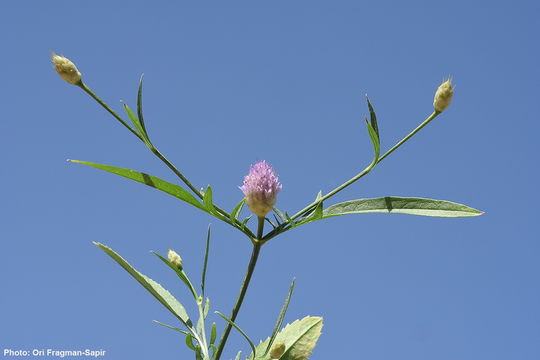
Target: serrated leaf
154	288
237	209
280	318
373	118
181	274
149	180
299	338
402	205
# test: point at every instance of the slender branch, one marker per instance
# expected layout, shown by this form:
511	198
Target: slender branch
157	153
402	141
106	107
354	178
249	272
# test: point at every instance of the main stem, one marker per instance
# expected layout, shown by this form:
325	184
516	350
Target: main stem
249	272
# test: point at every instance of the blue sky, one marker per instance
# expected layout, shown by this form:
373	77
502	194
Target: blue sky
230	83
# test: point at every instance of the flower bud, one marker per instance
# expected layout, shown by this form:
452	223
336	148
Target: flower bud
443	96
277	350
66	69
261	187
175	259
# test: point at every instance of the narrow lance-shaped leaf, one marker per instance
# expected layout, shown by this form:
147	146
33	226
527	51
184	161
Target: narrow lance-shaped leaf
181	274
171	327
189	343
280	318
206	307
402	205
162	295
149	180
373	118
213	334
139	105
208	202
205	261
237	209
280	214
137	124
239	330
375	141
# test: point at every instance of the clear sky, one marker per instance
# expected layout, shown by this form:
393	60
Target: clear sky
232	82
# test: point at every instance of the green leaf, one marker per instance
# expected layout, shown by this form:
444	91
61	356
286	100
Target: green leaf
237	209
152	181
172	327
137	124
290	221
206	307
401	205
205	262
270	222
189	342
280	214
239	330
207	200
315	215
238	355
244	222
139	105
213	334
181	274
373	118
299	338
375	141
280	318
162	295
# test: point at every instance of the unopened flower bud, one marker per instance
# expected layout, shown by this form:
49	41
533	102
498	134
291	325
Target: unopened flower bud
261	187
443	96
66	69
277	350
175	259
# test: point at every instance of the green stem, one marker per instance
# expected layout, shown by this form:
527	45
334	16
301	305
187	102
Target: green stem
111	111
402	141
156	152
356	177
249	272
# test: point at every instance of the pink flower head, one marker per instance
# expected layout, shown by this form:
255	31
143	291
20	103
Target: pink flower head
261	187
